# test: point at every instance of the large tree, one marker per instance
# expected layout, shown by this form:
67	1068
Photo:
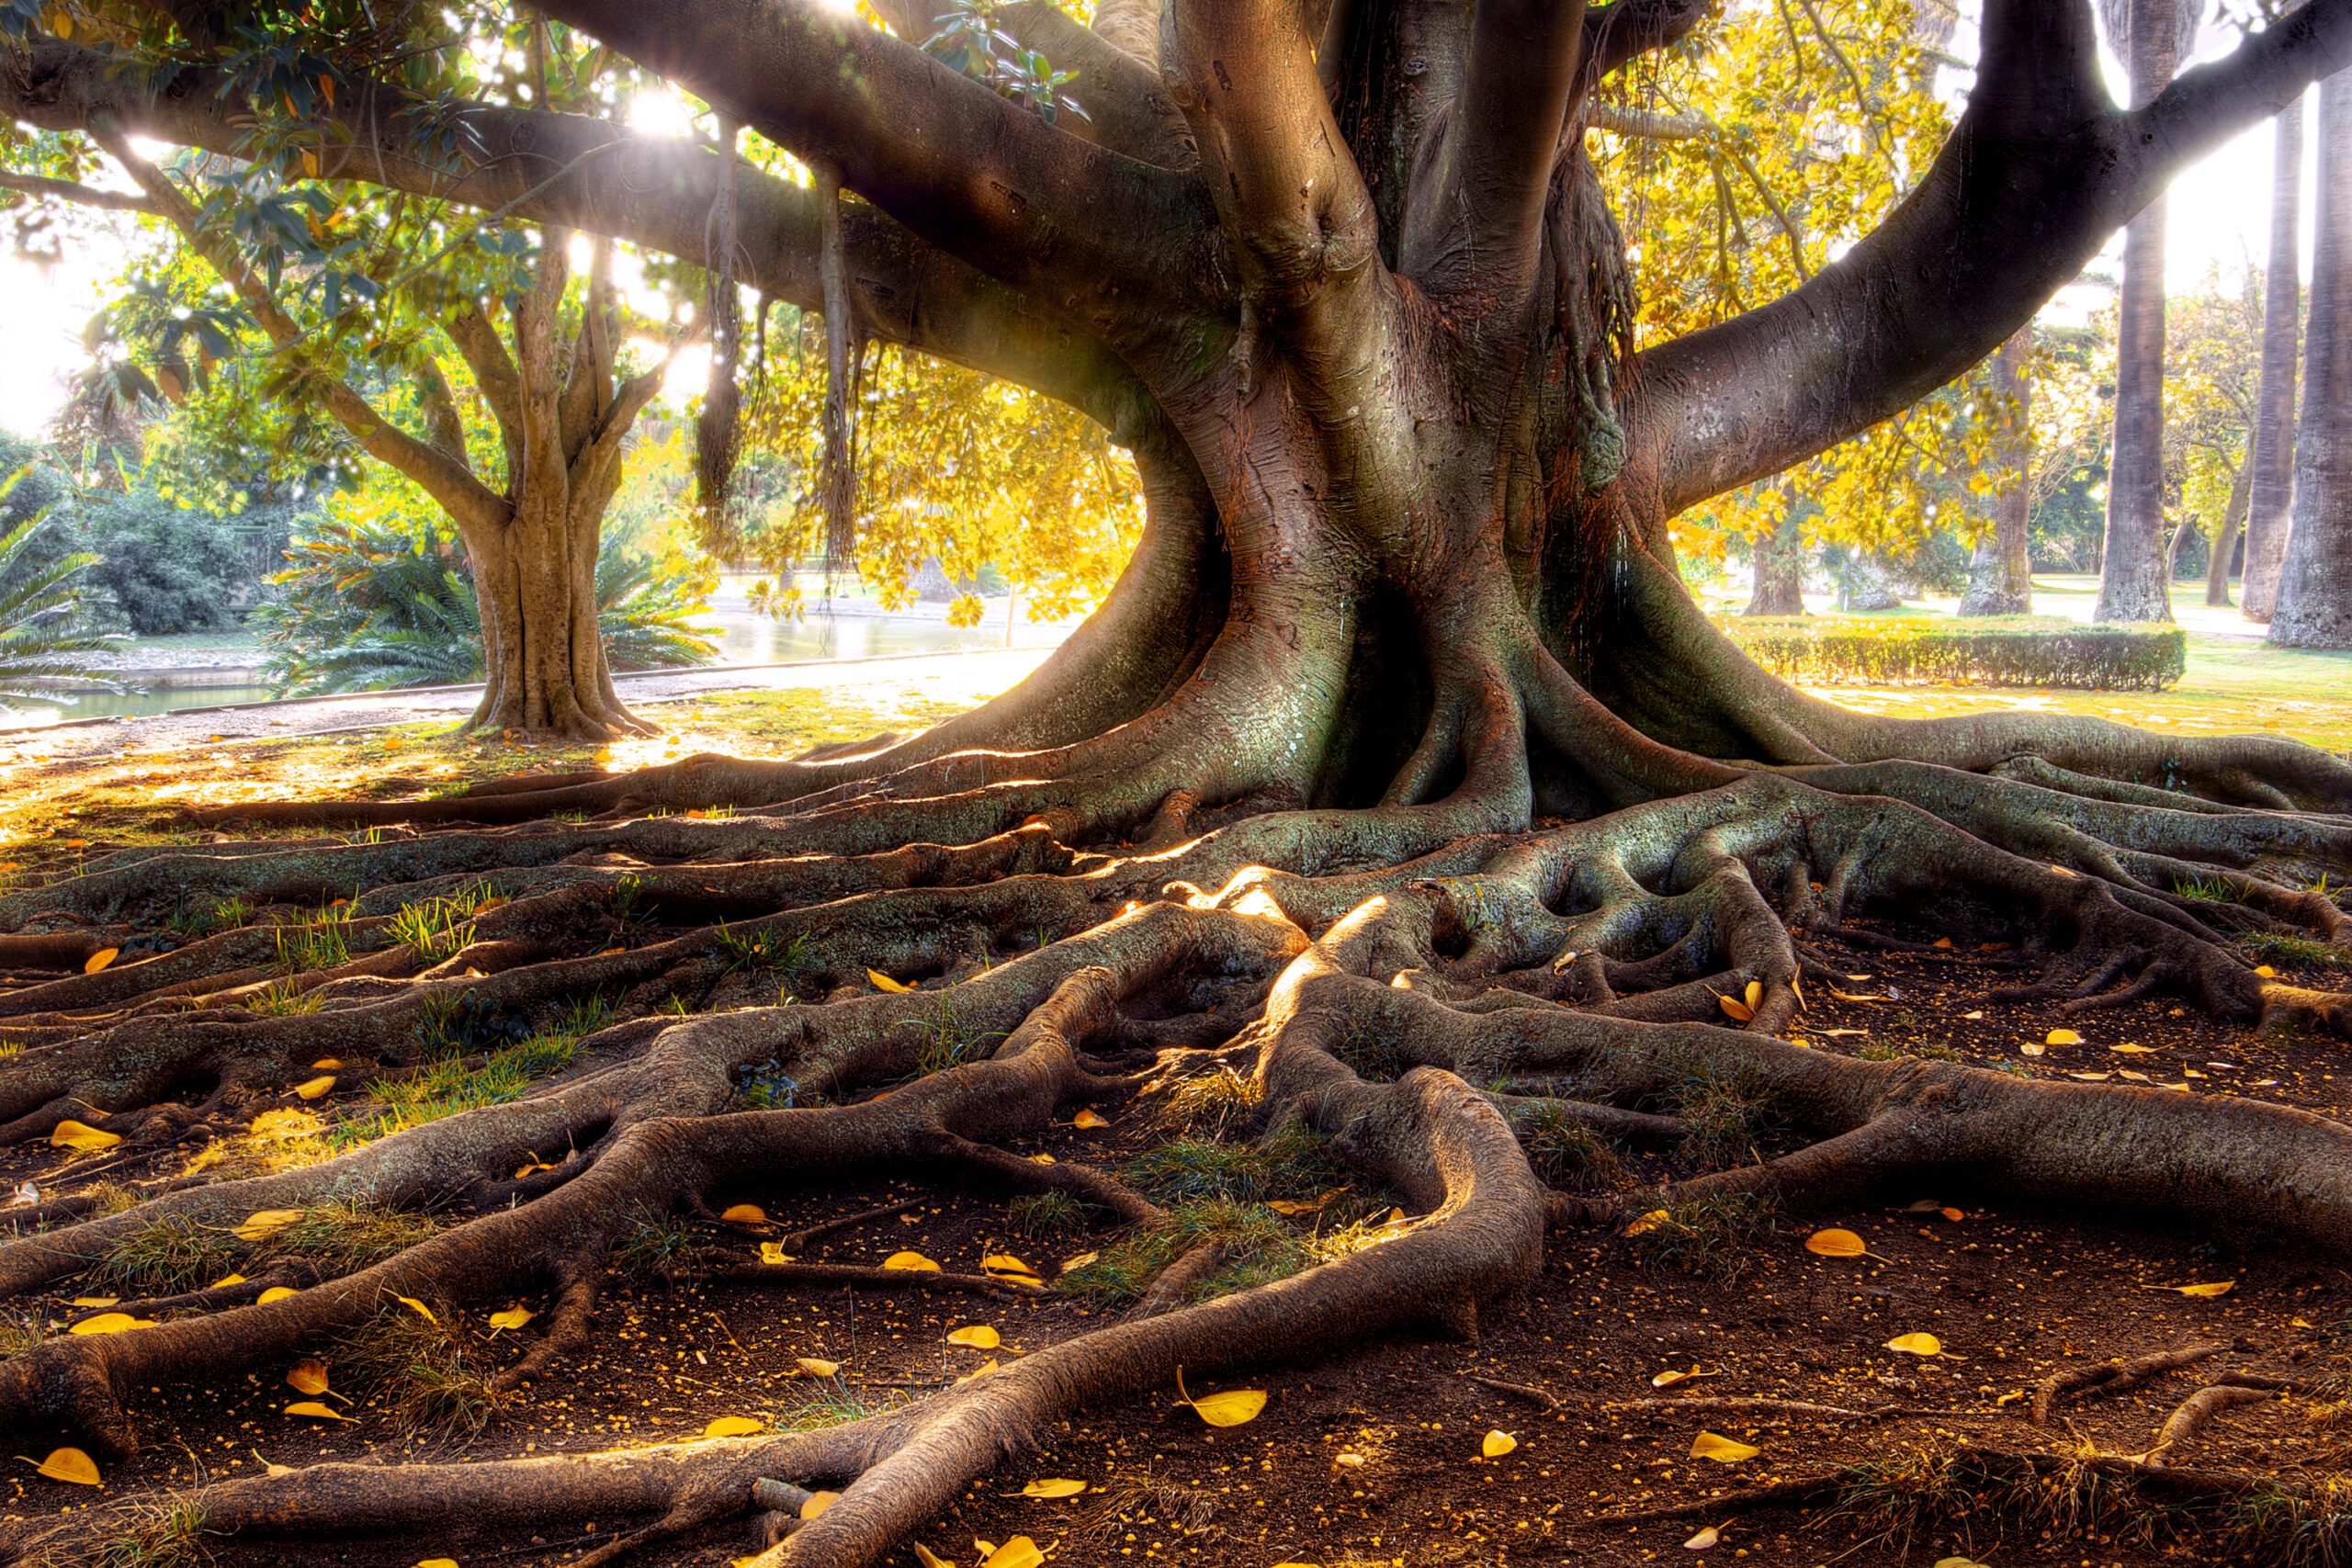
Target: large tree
1399	773
2314	604
2000	573
2271	491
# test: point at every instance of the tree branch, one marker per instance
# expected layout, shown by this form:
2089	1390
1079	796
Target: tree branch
2040	171
1617	34
77	192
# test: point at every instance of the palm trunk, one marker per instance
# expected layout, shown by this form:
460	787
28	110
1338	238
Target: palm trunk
2000	577
2315	607
2134	576
2273	456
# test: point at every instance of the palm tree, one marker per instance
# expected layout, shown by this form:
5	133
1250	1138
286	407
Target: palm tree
43	640
2271	487
2315	608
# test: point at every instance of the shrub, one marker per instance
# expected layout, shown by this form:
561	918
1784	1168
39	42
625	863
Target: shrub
167	567
2004	651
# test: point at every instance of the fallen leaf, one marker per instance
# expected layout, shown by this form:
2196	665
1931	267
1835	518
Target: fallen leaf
95	1301
110	1323
773	1252
1736	1009
327	1065
1843	1034
1954	1216
2091	1077
2062	1037
1080	1262
930	1559
1943	942
1973	1016
100	959
417	1307
884	983
912	1260
533	1168
315	1087
815	1367
316	1411
1041	1159
745	1215
1018	1553
1917	1345
72	1134
1235	1407
1705	1540
1090	1120
816	1503
734	1427
1836	1244
2267	972
1722	1449
263	1223
1958	1563
433	1561
1858	996
2060	871
309	1376
1670	1376
1004	1266
1055	1487
276	1293
1496	1443
2216	1288
70	1464
978	1336
1646	1223
513	1317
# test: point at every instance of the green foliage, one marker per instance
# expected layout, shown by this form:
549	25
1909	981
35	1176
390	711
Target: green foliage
2007	650
166	567
423	1374
45	634
1714	1234
281	1000
1039	1215
323	942
2303	951
1293	1161
167	1256
1563	1150
440	926
193	923
453	1084
1257	1247
346	1234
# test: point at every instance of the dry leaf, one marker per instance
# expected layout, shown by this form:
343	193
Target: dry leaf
513	1317
1056	1487
2267	972
1496	1444
315	1087
95	1301
327	1065
928	1558
912	1261
1018	1553
1646	1223
1942	941
815	1367
72	1134
2127	1049
1090	1120
1080	1262
1004	1266
70	1464
816	1503
1858	996
745	1215
2091	1077
773	1252
1235	1407
1754	994
417	1307
276	1293
1722	1449
263	1223
1705	1540
433	1562
316	1411
1958	1563
110	1323
2062	1037
978	1337
1669	1378
1843	1034
309	1376
1917	1345
2060	871
100	959
226	1280
1736	1009
884	983
1041	1159
1836	1244
2216	1288
734	1427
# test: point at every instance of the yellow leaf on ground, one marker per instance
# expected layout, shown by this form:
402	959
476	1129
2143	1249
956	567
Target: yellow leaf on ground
2062	1037
309	1376
2217	1287
1917	1345
2128	1049
95	1301
745	1215
1004	1266
1496	1444
72	1134
815	1367
1671	1376
734	1427
316	1411
263	1223
983	1370
1736	1009
226	1280
816	1503
1055	1487
913	1261
978	1335
315	1087
438	1562
417	1307
533	1168
773	1252
327	1065
1647	1224
1958	1563
1705	1540
1954	1216
70	1464
1235	1407
2267	972
1836	1244
276	1293
110	1323
100	959
930	1559
513	1317
1080	1262
1090	1120
1754	994
1722	1449
1018	1553
1041	1159
884	983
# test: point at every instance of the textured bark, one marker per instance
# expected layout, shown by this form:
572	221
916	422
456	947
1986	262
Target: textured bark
2135	576
2315	607
2228	537
1780	567
2000	574
2269	507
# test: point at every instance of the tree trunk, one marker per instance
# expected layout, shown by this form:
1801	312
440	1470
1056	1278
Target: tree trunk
2315	607
2134	579
1780	567
2228	537
2000	576
544	667
2268	514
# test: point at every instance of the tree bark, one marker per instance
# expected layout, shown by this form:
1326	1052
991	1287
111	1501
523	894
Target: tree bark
2268	510
1780	566
2227	538
2134	577
2000	575
2315	608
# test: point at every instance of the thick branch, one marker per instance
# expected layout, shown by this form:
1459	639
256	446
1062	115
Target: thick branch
75	192
1524	57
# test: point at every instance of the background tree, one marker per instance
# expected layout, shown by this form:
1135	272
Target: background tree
2212	384
2000	574
2134	575
2272	486
2314	606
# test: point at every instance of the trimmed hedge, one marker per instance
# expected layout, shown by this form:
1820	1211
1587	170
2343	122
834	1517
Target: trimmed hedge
1996	650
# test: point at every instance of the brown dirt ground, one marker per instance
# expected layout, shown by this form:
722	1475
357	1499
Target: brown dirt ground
1373	1456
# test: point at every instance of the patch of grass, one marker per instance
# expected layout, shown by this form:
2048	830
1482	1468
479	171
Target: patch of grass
194	923
169	1255
1039	1215
1714	1234
351	1234
2308	952
2211	889
281	1000
1728	1118
762	950
654	1249
423	1375
833	1406
1258	1248
1371	1054
452	1084
1878	1052
2279	1525
323	941
1293	1161
1565	1151
949	1041
169	1534
441	927
284	1139
20	1332
1218	1105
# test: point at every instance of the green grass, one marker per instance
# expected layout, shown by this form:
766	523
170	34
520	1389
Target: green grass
440	928
1258	1248
654	1249
949	1041
169	1534
1295	1162
1219	1104
2307	952
208	919
1728	1120
167	1256
320	942
454	1083
2209	890
1717	1236
424	1376
351	1234
1565	1151
835	1405
1039	1215
762	950
282	999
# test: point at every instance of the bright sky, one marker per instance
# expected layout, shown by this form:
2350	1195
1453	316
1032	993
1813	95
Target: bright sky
2219	217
